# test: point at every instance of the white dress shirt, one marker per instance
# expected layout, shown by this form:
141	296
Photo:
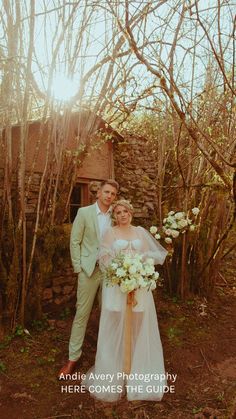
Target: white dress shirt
104	219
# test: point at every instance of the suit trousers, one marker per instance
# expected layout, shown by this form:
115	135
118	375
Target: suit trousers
86	292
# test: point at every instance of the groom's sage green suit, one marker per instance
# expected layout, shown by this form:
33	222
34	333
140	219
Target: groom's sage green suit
84	247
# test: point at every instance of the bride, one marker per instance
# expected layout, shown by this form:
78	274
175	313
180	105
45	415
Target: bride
129	356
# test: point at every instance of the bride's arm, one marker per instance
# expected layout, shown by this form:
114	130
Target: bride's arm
151	248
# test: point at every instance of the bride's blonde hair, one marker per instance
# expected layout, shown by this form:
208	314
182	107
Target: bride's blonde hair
125	203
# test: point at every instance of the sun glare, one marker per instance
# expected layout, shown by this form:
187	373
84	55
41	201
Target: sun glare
63	88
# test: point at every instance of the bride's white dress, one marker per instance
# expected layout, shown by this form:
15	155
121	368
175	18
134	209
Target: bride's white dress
146	380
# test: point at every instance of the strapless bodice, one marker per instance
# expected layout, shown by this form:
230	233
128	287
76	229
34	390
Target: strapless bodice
133	245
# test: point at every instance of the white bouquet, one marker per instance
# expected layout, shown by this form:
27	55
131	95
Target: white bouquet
174	224
131	273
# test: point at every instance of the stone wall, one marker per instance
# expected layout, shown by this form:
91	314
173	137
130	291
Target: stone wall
61	287
135	170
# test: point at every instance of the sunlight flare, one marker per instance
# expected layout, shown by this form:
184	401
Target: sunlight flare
63	88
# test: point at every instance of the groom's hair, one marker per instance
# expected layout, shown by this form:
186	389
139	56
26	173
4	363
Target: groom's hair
111	182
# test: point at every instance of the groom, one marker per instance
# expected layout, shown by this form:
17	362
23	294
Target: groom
89	225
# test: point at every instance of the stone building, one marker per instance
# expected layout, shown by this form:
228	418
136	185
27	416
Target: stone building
126	158
67	134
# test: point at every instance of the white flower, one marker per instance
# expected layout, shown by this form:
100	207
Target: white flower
192	227
195	210
142	283
164	221
149	269
168	240
153	230
156	275
120	272
137	257
179	215
139	266
125	287
189	221
153	285
114	265
127	261
174	225
150	261
168	231
171	213
142	271
170	219
132	269
174	233
157	236
182	223
128	285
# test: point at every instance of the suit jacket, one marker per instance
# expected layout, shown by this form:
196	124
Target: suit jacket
84	240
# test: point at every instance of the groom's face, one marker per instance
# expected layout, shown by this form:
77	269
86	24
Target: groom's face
106	195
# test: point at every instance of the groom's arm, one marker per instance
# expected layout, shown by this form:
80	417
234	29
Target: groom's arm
76	237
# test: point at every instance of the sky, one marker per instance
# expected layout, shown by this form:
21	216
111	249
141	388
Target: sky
69	40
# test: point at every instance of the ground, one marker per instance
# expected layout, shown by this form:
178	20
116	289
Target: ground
199	346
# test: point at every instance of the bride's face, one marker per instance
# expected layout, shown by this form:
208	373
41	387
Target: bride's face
122	215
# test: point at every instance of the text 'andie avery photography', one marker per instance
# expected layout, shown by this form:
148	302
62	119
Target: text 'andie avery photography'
115	383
